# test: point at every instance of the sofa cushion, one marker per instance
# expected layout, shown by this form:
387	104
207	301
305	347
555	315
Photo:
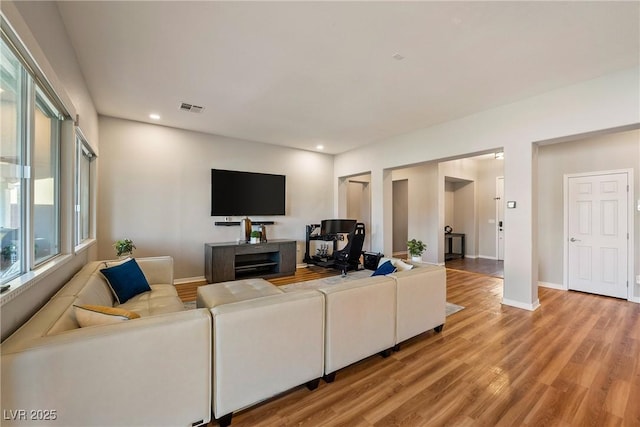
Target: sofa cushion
126	280
93	315
162	299
211	296
384	269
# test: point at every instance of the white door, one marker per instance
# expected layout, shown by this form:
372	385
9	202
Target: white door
597	234
500	218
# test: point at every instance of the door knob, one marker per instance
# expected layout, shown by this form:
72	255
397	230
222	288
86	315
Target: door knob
575	240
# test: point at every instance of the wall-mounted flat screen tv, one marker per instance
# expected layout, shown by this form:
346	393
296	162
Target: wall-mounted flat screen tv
247	193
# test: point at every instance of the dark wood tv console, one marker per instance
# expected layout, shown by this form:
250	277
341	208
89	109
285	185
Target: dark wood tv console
234	261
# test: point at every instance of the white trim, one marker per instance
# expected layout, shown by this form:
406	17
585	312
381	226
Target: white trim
497	223
189	280
558	286
630	227
517	304
635	299
27	280
84	245
303	265
492	258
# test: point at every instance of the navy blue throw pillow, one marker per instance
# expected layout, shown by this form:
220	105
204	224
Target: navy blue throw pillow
126	280
384	269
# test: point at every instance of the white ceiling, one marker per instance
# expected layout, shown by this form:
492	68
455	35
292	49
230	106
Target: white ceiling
306	73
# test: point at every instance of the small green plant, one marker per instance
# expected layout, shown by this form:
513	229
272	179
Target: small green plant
416	247
124	247
255	234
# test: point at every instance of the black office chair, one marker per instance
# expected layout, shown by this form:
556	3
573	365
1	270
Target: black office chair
348	258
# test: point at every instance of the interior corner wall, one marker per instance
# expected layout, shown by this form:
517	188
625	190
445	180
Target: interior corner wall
613	151
155	188
423	214
465	217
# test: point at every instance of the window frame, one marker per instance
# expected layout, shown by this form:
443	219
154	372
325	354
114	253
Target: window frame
35	92
83	151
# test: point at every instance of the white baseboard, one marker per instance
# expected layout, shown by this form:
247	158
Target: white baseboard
488	257
517	304
552	286
303	265
634	299
189	280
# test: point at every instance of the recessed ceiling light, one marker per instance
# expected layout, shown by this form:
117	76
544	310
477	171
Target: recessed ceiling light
320	147
154	116
397	57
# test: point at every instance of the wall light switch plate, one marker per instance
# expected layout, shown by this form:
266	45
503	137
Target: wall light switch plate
511	204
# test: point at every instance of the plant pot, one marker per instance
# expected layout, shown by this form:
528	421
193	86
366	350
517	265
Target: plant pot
255	240
416	258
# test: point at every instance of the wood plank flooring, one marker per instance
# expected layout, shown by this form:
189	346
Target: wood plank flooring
187	291
489	267
573	362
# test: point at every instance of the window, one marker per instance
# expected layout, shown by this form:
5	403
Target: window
45	173
12	126
84	157
30	169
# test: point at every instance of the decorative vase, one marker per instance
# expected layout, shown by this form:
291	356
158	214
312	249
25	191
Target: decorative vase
245	229
416	258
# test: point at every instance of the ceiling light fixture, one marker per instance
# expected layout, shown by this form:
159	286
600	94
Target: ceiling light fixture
154	116
320	147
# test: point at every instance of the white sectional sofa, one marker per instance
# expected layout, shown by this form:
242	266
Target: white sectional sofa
153	370
247	341
359	321
267	341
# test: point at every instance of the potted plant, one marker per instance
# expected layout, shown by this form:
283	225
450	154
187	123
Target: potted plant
416	248
124	247
255	236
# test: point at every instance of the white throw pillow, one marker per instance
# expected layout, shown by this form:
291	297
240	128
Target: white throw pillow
402	266
93	315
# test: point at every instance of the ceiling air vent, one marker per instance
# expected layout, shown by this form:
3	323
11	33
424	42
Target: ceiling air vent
191	108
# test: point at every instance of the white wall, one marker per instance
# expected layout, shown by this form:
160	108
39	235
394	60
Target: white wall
423	214
155	186
488	171
607	102
400	216
40	28
598	153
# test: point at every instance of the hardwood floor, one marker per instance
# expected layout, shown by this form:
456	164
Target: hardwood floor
489	267
187	291
573	362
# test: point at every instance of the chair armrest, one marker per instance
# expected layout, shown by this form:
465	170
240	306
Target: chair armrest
153	371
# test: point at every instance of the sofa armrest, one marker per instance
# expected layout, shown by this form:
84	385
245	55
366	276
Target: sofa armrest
360	320
265	346
165	359
157	270
421	300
